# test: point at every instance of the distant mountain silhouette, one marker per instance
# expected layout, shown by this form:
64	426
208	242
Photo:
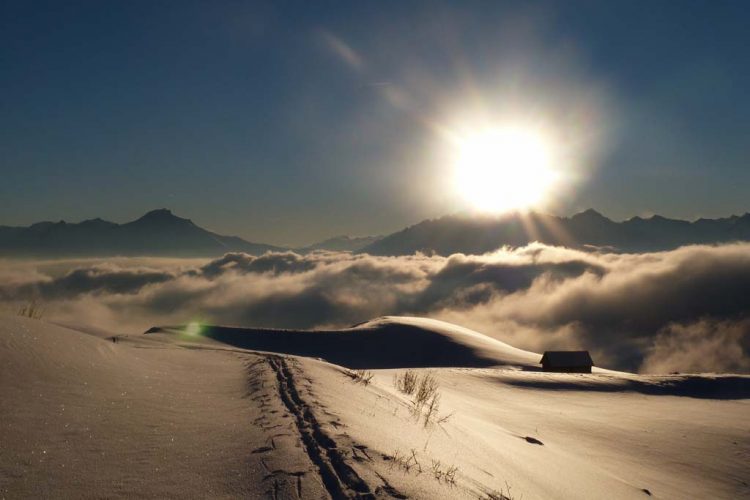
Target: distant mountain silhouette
341	244
158	233
161	233
480	234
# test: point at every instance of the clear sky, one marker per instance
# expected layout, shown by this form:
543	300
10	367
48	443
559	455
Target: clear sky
288	122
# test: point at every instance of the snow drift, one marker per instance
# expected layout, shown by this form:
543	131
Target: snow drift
388	342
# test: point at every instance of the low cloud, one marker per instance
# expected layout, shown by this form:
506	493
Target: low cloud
683	310
276	263
701	347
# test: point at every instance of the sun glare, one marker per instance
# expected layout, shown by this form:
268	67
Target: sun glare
504	169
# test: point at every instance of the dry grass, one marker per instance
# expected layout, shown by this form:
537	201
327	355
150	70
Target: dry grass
406	382
31	310
363	377
503	494
406	461
446	474
426	390
409	462
432	408
425	397
444	419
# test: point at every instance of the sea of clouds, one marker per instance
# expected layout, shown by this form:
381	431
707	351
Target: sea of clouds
685	310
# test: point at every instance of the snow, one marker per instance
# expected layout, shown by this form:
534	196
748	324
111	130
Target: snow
596	444
169	414
85	417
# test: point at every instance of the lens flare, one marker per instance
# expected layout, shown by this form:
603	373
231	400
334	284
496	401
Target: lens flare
193	329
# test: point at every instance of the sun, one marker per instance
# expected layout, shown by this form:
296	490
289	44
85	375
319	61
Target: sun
504	169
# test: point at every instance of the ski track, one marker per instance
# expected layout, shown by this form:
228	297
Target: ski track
340	480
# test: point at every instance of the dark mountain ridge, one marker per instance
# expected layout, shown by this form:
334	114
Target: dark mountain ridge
161	233
341	243
481	234
157	233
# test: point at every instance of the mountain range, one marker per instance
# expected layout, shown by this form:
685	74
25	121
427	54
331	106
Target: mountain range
158	233
472	234
161	233
341	244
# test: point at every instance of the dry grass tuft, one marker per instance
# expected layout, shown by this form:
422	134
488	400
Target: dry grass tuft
406	382
407	462
363	377
446	474
503	494
432	409
425	396
426	389
31	310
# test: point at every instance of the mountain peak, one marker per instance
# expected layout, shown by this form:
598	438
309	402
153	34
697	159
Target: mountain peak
159	212
589	214
341	243
95	223
162	215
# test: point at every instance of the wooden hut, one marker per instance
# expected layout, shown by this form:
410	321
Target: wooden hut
567	361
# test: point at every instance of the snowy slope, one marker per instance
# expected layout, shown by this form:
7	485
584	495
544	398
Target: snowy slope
388	342
595	443
84	417
191	412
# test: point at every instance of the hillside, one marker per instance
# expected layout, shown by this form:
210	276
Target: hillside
421	343
189	412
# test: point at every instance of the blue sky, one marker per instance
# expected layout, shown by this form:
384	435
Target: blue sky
288	122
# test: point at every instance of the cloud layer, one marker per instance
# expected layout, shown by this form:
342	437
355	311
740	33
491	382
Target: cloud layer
683	310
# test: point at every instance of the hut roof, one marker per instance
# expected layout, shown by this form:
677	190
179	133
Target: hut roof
567	359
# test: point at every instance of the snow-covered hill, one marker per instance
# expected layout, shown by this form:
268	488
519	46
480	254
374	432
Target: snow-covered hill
193	412
387	342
